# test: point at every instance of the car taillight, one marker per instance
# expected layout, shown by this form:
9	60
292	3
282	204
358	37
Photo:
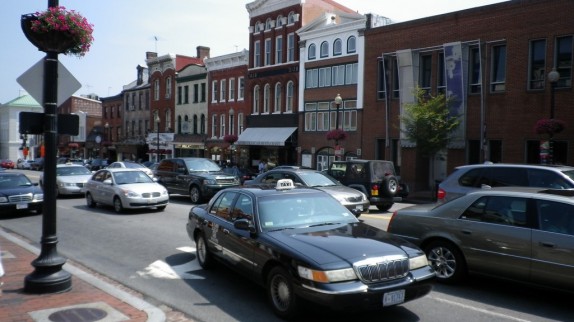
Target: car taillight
375	190
391	220
440	194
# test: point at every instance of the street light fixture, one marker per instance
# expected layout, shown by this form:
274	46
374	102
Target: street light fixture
338	101
553	78
106	138
157	121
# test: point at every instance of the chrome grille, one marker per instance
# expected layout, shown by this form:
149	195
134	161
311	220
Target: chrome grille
354	199
382	269
225	181
151	194
20	198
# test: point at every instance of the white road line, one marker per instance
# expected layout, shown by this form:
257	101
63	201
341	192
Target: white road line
472	308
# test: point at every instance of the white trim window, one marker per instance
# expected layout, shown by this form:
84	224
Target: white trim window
156	90
240	123
289	97
279	50
241	89
257	53
214	91
223	88
310	116
291	47
214	125
267	61
222	125
168	87
256	99
232	89
278	91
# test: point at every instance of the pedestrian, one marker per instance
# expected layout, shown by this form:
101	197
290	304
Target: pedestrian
1	272
262	166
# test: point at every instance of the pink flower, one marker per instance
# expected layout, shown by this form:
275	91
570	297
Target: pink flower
549	126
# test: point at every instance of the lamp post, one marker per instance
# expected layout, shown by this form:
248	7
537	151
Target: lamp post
338	101
107	139
157	121
553	77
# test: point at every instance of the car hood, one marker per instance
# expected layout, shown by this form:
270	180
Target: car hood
342	191
74	179
348	243
20	190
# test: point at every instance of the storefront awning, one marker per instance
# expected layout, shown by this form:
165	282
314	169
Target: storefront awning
275	136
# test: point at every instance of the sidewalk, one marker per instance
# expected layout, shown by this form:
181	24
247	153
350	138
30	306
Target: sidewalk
90	299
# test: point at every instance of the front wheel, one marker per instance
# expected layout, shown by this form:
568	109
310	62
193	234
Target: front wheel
204	257
280	293
195	194
118	207
447	261
90	200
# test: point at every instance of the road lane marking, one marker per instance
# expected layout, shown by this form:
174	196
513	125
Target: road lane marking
472	308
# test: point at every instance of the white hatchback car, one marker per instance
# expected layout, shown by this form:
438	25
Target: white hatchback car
70	179
125	189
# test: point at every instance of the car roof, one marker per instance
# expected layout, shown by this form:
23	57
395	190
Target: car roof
533	192
64	165
120	170
517	165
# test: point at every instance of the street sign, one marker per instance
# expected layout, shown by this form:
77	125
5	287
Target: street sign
33	82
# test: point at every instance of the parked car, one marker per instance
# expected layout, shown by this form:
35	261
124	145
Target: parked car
70	179
300	243
23	164
355	200
7	164
37	164
131	165
96	164
375	178
19	193
469	178
125	189
200	178
516	233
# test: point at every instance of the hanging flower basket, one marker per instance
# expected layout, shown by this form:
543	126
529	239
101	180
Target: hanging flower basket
549	126
230	138
337	135
58	30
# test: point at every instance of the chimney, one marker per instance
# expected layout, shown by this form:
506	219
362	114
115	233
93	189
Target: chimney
140	75
150	54
202	52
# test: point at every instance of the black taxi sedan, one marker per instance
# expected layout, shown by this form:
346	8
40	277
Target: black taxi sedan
301	244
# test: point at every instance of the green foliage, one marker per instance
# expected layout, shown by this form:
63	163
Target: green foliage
428	122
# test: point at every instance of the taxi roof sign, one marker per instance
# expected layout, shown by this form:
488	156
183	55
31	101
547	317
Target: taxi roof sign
285	184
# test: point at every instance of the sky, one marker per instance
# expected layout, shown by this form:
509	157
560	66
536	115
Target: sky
124	30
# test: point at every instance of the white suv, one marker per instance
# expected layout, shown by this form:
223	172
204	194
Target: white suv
468	178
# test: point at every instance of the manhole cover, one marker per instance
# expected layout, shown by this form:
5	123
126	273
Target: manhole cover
78	315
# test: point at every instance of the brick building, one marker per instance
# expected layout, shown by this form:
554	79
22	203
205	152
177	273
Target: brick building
495	61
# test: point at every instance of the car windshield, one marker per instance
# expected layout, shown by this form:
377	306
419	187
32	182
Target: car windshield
72	171
202	165
317	179
129	177
569	174
301	210
381	170
7	182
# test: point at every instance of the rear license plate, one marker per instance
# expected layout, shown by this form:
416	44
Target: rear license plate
21	206
394	297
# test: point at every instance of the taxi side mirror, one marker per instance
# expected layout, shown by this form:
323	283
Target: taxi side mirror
244	224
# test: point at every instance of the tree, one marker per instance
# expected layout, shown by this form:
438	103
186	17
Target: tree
429	123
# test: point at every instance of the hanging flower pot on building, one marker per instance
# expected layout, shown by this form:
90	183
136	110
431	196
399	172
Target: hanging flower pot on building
549	126
58	30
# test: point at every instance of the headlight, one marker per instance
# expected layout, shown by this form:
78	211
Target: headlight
38	197
347	274
418	262
209	181
130	194
3	199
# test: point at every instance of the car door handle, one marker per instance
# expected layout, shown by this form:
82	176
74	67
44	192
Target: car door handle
547	244
467	232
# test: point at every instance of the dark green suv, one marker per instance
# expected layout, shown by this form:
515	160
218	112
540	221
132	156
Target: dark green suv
376	178
200	178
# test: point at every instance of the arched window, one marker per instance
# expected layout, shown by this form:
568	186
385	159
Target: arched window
279	22
337	47
289	97
351	44
179	124
256	100
202	125
268	24
278	90
257	26
324	49
266	98
168	87
312	54
291	18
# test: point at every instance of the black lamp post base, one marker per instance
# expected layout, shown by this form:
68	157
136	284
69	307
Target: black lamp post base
48	280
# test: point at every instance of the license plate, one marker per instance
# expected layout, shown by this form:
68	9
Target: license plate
359	207
21	206
394	297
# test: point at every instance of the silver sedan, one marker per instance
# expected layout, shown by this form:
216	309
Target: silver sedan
125	189
522	234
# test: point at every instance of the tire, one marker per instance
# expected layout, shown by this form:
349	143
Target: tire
204	257
195	194
390	186
280	293
118	207
90	201
447	261
385	206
